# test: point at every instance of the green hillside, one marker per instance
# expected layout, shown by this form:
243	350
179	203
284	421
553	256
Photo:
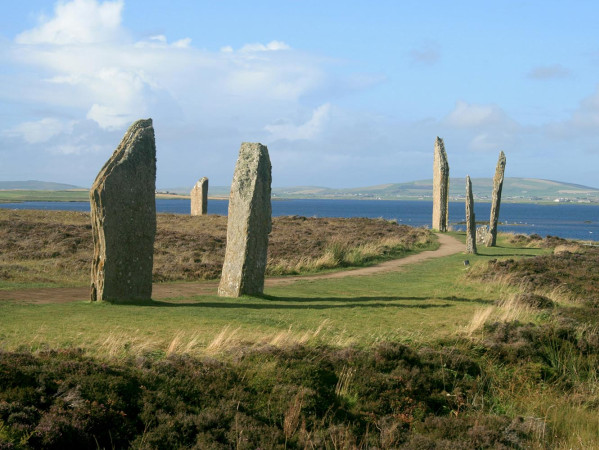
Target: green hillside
514	189
32	185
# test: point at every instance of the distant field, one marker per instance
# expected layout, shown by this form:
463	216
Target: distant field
71	195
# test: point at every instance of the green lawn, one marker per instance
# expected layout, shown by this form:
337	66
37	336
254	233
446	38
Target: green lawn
419	304
430	305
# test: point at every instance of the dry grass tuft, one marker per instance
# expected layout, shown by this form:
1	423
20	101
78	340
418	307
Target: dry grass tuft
509	308
224	340
480	317
568	248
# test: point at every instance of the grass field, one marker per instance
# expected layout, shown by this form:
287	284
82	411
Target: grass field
479	369
69	195
360	310
17	195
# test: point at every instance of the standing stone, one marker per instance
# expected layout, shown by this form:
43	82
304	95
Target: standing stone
199	198
470	219
440	187
123	215
496	201
248	224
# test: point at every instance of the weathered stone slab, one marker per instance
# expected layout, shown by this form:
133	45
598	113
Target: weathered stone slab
248	224
123	215
440	187
470	219
496	201
199	198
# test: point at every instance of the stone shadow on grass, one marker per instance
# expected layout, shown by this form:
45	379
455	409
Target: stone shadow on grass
313	303
507	254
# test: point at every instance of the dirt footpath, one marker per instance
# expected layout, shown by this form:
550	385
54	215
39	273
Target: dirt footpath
448	246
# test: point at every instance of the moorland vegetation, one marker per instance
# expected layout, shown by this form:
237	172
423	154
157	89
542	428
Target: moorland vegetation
501	354
55	247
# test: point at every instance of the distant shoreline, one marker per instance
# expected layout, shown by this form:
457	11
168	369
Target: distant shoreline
81	195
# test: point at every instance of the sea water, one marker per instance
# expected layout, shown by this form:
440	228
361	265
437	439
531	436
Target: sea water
573	221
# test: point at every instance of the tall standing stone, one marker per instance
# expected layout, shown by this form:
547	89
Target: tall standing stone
248	224
123	215
199	198
496	201
470	219
440	187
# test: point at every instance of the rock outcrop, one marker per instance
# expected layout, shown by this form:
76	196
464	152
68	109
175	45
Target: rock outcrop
440	187
248	224
123	215
470	219
199	198
496	201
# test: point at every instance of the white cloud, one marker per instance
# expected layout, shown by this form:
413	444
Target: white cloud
271	46
111	118
587	115
308	130
160	41
39	131
203	103
113	80
78	22
549	72
583	123
471	115
71	148
182	43
486	127
484	142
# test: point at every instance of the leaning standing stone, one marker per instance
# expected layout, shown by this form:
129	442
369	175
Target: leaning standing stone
248	224
496	201
199	198
470	219
123	214
440	187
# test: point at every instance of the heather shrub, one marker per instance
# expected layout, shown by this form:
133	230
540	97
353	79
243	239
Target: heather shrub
292	397
577	274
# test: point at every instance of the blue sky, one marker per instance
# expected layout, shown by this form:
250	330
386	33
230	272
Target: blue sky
343	93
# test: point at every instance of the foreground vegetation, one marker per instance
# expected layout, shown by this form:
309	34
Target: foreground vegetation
55	247
502	354
296	397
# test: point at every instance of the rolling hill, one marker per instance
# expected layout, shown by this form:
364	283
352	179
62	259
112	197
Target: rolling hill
32	185
514	189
